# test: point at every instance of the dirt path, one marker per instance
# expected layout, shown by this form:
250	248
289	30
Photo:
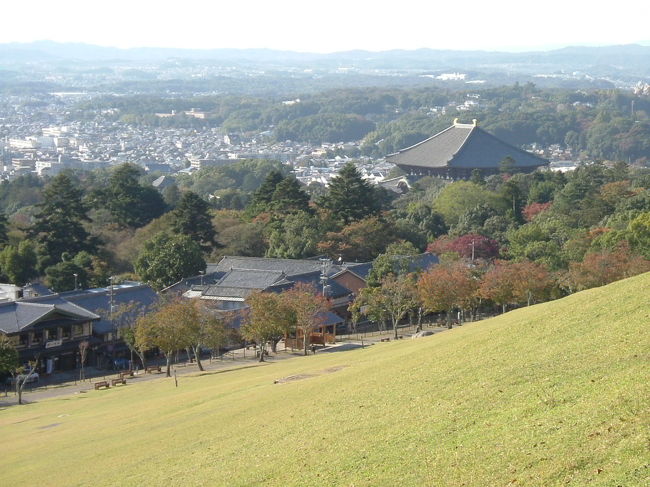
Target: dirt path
235	361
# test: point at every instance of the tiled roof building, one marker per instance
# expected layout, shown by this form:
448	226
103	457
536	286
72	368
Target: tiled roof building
458	150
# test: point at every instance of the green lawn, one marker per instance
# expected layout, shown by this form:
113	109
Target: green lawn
554	394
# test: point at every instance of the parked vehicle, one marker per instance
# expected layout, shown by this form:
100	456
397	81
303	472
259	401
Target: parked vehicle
21	377
120	363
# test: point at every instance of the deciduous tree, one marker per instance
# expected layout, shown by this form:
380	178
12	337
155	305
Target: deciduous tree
393	299
165	329
446	287
267	317
165	259
308	307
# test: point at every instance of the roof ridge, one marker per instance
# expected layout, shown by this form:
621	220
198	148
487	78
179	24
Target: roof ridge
255	270
34	304
471	131
422	141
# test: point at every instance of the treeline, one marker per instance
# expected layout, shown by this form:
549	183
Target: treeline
113	222
599	124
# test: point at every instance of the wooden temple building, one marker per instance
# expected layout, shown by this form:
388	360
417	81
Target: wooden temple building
460	149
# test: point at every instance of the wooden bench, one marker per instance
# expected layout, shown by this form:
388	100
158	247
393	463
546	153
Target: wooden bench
126	373
385	339
152	368
103	383
121	380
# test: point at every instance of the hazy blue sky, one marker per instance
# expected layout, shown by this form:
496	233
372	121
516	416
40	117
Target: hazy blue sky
328	25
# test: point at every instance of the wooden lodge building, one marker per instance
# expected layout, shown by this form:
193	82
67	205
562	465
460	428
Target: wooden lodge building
460	149
50	327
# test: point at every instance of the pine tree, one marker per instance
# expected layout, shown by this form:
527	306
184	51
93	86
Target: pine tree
58	227
262	197
289	197
350	197
192	218
4	238
130	203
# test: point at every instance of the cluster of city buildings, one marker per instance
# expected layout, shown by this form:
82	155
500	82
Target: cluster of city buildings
39	138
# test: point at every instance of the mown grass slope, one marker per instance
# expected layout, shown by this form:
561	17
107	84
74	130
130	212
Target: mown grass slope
554	394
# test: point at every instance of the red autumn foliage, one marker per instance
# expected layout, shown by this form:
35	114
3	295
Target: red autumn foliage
534	209
600	268
516	283
484	247
445	287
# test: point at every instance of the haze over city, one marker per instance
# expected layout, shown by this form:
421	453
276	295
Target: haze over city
336	26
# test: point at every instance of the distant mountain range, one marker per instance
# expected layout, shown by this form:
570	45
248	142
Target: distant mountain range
570	67
625	58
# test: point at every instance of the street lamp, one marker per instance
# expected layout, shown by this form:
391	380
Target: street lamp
75	280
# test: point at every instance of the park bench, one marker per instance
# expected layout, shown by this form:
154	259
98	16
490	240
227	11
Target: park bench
385	339
102	383
126	373
121	380
153	368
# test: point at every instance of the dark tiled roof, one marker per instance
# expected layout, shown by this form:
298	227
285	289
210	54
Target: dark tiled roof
290	267
210	277
19	315
251	278
239	283
38	289
99	301
362	270
329	318
332	288
463	146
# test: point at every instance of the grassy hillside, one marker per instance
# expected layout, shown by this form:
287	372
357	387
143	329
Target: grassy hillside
555	394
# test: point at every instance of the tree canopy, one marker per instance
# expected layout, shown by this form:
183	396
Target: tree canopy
166	259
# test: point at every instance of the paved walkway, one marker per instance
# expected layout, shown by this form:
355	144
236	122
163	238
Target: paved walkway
63	384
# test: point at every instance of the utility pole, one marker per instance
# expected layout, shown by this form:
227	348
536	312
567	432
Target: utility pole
111	278
325	263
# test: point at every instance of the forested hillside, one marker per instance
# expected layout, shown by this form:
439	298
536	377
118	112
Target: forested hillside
597	124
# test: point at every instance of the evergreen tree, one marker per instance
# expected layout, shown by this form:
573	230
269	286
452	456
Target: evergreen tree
4	238
289	197
18	264
172	195
129	203
262	197
192	218
58	227
295	236
350	197
61	277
